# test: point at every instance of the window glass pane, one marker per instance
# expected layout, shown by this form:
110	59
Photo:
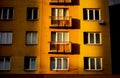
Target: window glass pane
66	12
92	63
86	66
91	37
9	38
59	36
34	37
53	11
27	63
5	13
52	63
29	13
98	63
85	14
85	37
91	14
33	63
0	13
1	63
65	63
10	13
97	14
28	38
59	63
60	12
97	38
65	37
7	63
0	38
3	38
53	36
35	13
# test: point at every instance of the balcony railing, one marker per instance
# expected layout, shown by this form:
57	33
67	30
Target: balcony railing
60	1
60	47
61	21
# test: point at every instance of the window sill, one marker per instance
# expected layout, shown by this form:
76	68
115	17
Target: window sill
91	20
30	44
32	19
92	70
94	44
29	69
59	70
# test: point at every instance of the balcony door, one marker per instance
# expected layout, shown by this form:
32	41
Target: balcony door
60	13
60	42
60	37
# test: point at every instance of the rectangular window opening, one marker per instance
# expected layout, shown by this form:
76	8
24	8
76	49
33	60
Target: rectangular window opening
30	63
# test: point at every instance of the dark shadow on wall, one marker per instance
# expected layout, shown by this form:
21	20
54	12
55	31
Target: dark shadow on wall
115	39
75	48
21	76
75	2
75	23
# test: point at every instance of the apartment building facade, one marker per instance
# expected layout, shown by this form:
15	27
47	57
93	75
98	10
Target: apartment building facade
54	37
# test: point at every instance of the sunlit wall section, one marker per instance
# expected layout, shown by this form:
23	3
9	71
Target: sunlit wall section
95	29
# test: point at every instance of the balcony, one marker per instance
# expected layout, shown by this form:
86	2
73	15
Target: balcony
60	1
61	22
56	47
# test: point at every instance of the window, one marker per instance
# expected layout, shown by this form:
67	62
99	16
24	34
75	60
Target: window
60	17
60	42
30	63
5	37
4	63
32	13
92	38
60	13
31	37
60	37
92	63
91	14
58	63
6	13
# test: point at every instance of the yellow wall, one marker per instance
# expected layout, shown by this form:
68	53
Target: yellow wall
19	26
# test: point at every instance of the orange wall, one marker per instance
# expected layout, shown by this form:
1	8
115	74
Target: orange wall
19	25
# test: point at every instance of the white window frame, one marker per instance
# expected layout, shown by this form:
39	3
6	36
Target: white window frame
31	37
62	58
30	63
62	42
94	38
88	11
4	63
8	14
8	36
95	60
